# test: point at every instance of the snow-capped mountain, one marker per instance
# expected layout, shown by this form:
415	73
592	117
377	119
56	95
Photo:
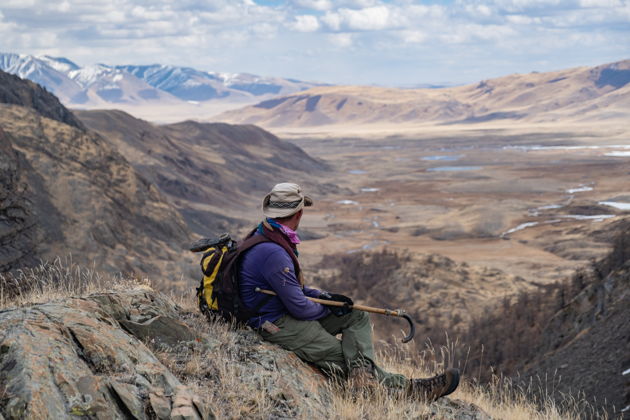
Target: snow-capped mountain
100	84
108	84
195	85
49	72
184	82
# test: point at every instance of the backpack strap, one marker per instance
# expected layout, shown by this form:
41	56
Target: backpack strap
248	243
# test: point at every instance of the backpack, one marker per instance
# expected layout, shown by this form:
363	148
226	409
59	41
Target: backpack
218	292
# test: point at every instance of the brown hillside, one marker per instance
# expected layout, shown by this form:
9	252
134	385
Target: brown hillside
205	169
18	231
88	201
65	191
579	94
575	333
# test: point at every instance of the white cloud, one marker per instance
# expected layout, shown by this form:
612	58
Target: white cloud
413	37
481	10
371	18
367	19
305	23
342	40
601	3
473	32
64	6
333	20
314	4
522	19
522	5
19	4
359	3
264	30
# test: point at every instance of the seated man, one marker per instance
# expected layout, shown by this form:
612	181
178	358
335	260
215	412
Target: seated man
307	328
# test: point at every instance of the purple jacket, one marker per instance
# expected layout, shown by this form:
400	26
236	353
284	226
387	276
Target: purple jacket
268	266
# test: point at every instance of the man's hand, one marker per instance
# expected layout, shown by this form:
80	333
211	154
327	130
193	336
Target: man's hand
338	310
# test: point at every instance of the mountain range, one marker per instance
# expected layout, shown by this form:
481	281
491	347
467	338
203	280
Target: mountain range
102	85
583	94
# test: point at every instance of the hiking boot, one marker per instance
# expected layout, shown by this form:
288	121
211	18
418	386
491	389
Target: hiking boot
362	380
431	389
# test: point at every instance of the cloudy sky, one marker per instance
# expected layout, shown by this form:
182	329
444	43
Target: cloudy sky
384	42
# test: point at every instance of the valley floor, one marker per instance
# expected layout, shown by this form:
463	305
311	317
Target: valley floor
536	204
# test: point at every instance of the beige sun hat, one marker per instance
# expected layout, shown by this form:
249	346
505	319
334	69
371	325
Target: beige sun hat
285	200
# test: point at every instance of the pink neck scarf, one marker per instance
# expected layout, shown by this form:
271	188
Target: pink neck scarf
291	234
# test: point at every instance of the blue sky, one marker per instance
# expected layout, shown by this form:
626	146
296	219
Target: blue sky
393	43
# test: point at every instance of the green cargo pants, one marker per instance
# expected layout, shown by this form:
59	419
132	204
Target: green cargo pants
315	342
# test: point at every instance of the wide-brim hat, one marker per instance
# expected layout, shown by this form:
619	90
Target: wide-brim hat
285	200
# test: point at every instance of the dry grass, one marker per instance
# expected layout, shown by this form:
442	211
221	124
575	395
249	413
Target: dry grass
57	279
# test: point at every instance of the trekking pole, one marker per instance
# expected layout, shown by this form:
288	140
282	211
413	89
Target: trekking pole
388	312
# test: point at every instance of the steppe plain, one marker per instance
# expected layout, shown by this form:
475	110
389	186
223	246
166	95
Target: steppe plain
509	173
534	201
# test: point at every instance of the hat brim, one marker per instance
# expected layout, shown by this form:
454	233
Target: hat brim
273	212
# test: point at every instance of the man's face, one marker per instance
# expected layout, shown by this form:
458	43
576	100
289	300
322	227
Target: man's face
298	216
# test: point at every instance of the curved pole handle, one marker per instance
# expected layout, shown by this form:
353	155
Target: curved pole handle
412	329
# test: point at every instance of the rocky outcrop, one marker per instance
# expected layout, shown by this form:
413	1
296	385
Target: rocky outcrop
18	231
60	360
95	357
134	354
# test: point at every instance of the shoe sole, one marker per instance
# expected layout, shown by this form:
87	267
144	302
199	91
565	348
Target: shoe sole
454	383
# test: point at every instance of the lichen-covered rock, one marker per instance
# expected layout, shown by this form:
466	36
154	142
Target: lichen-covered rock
72	358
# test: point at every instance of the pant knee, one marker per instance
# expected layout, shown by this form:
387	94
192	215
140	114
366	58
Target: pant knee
359	316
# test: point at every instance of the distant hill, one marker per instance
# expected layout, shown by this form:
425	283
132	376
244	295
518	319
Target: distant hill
102	85
205	168
579	94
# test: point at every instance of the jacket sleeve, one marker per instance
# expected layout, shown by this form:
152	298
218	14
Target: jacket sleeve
279	273
311	292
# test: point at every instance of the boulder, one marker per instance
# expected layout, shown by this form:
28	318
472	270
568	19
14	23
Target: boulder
72	358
